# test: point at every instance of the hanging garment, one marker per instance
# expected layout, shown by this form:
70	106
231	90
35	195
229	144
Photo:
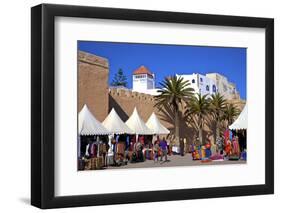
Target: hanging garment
91	149
120	148
127	142
236	149
228	148
100	148
141	139
104	148
226	135
230	135
87	150
213	149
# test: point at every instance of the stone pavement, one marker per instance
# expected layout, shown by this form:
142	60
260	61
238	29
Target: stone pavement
174	160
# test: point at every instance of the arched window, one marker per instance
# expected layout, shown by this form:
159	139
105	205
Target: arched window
214	88
201	79
193	81
207	88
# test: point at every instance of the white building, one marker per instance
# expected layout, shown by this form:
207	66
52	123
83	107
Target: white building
224	87
200	83
211	83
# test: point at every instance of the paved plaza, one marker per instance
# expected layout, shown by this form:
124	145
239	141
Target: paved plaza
175	160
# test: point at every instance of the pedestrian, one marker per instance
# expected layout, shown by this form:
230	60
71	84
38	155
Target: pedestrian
181	147
156	150
138	148
104	153
168	146
164	147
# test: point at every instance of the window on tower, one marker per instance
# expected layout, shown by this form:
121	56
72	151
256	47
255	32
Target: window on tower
139	76
207	88
193	81
214	88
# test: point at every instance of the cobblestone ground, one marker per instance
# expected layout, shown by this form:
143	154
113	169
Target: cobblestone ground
174	160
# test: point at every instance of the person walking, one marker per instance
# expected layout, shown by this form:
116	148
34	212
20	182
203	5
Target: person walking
138	148
164	148
156	150
181	147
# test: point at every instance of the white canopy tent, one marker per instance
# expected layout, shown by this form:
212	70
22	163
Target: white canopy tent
154	124
89	125
136	124
114	124
242	121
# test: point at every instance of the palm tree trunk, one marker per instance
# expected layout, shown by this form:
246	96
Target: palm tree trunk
177	128
200	132
217	130
200	135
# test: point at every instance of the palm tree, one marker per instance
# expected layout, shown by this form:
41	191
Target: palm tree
198	110
230	112
173	93
217	107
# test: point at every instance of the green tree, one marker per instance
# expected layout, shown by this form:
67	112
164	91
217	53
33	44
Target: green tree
175	91
119	79
197	111
217	107
230	112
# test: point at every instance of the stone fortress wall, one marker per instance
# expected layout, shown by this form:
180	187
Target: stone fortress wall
124	101
93	84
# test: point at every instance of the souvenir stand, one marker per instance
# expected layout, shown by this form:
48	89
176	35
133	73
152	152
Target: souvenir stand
239	126
157	128
90	130
138	126
114	124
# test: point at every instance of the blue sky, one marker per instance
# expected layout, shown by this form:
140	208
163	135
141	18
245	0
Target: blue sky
164	60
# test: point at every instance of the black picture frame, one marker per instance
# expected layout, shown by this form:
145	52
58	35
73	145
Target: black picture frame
43	102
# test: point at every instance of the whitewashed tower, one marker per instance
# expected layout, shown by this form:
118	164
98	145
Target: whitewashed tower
143	80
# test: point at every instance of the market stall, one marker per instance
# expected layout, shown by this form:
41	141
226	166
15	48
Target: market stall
241	122
114	124
239	127
92	143
157	128
139	128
